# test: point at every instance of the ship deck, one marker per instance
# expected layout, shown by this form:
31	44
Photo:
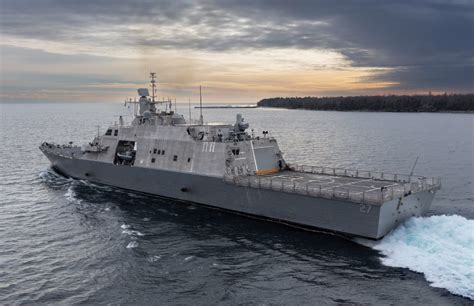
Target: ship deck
348	185
330	182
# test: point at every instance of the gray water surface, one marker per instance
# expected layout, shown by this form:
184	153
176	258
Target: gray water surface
66	241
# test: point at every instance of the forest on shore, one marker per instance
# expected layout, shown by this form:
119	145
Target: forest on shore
386	103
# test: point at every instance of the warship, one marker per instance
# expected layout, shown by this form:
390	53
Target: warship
223	166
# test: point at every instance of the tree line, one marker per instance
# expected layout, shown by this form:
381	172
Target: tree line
387	103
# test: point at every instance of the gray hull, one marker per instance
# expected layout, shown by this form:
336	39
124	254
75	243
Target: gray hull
371	221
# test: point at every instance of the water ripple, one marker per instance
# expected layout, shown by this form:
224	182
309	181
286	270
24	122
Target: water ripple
65	241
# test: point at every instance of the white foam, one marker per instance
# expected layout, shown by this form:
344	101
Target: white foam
132	244
132	232
70	195
135	195
124	226
188	258
154	258
440	247
44	174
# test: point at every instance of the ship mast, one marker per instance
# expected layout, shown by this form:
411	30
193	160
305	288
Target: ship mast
200	107
153	85
189	110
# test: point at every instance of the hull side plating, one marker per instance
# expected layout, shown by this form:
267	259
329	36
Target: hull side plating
371	221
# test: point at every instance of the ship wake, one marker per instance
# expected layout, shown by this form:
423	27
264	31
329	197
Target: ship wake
440	247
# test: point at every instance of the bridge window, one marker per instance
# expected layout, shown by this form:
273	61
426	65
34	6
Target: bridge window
109	132
153	160
154	151
115	132
189	159
159	152
175	157
235	151
163	152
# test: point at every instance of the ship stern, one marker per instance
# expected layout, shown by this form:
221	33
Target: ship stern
398	210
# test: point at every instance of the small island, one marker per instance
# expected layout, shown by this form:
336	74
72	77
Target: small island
385	103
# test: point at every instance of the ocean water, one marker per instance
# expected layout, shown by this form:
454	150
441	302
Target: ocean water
64	241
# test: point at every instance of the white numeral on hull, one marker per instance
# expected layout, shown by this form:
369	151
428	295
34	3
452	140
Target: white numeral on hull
365	208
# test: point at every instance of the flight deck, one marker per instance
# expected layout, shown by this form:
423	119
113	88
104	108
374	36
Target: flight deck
353	185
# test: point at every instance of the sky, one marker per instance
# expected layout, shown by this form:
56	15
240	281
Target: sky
239	51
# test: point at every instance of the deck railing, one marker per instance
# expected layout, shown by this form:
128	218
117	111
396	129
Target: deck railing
386	176
406	184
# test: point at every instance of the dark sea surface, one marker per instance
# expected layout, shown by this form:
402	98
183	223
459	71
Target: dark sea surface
64	241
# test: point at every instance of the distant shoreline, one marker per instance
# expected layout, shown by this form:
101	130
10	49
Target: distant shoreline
454	103
227	106
368	111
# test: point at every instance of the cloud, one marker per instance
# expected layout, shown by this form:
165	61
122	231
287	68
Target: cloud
423	45
231	76
430	44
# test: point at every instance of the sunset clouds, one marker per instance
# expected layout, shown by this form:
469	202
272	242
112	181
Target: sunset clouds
239	51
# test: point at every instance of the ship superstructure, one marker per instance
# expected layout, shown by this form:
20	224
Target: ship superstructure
224	166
